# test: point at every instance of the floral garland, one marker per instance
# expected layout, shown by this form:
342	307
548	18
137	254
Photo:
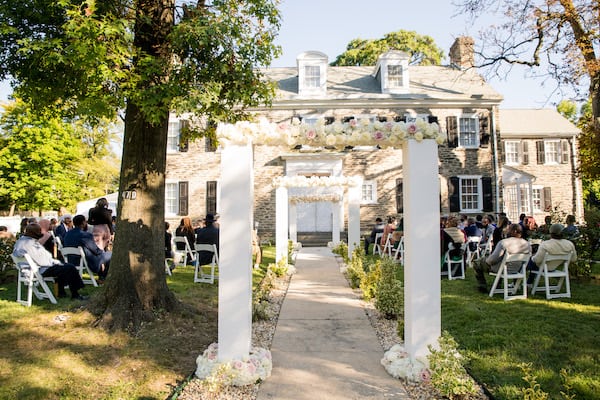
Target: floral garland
257	366
398	364
334	198
314	181
338	135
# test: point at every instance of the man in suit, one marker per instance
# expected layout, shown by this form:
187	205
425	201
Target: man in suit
377	228
207	235
66	224
98	260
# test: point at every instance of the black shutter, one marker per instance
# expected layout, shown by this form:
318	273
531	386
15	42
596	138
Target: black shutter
400	118
183	198
211	197
432	118
184	126
329	120
484	131
382	118
454	193
399	196
488	196
452	130
525	153
347	119
539	148
547	193
564	151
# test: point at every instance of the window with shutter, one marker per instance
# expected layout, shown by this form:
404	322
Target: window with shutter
183	198
525	152
452	130
399	196
184	126
564	152
539	149
211	197
454	193
432	119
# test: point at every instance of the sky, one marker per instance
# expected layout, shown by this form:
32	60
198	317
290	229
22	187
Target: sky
328	25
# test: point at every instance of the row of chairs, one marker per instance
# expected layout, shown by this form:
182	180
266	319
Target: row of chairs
202	273
388	250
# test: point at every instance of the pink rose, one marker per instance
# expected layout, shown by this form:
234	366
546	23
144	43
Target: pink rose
311	134
411	129
378	135
352	123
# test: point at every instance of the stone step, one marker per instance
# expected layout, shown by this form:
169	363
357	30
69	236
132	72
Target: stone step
317	239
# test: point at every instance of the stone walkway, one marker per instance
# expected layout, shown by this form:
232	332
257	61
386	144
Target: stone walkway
324	346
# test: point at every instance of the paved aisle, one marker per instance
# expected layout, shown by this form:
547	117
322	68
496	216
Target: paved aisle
324	346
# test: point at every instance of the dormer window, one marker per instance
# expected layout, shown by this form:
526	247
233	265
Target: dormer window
392	72
312	74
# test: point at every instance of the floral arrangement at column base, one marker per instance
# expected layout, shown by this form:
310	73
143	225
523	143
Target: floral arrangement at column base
398	364
254	368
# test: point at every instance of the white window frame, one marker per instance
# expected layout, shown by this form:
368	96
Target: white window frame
395	76
173	134
169	211
461	133
372	185
479	193
552	157
312	81
512	157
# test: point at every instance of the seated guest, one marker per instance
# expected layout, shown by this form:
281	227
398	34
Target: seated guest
66	224
5	234
207	235
102	236
387	230
168	241
186	229
545	228
472	230
47	240
65	274
513	244
256	250
452	234
377	228
555	245
571	231
500	230
97	259
101	214
487	229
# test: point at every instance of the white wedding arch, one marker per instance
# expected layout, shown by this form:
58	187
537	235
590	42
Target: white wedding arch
418	142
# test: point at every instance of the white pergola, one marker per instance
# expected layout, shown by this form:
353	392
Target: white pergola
418	141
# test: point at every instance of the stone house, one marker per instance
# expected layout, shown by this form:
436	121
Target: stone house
472	166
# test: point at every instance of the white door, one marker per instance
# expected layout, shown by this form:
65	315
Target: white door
314	217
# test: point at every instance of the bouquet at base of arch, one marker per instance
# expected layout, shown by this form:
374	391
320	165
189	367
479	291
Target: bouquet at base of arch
255	367
398	364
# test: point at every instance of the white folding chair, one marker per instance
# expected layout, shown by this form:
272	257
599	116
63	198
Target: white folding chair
181	255
512	277
377	245
29	275
167	268
199	275
554	266
82	266
473	241
485	248
451	265
399	251
388	247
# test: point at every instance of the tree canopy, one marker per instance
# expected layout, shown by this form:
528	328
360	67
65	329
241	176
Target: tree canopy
147	58
421	48
560	36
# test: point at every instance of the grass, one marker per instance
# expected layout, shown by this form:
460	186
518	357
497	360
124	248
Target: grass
54	352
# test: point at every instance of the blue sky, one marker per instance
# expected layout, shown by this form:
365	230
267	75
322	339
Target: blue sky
328	26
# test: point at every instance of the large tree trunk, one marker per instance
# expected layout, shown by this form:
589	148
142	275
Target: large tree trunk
136	284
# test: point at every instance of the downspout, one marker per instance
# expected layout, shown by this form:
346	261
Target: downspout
495	159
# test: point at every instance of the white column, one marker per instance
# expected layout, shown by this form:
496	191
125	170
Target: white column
235	253
354	217
281	223
422	299
293	221
335	223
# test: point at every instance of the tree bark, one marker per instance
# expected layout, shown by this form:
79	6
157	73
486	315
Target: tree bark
136	284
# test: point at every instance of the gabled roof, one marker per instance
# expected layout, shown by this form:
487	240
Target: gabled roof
427	83
544	122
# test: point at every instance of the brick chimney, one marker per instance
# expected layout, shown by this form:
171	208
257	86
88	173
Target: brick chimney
461	52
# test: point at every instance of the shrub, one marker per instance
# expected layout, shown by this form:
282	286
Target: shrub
368	283
260	297
355	272
6	263
389	297
448	374
341	249
280	269
533	391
